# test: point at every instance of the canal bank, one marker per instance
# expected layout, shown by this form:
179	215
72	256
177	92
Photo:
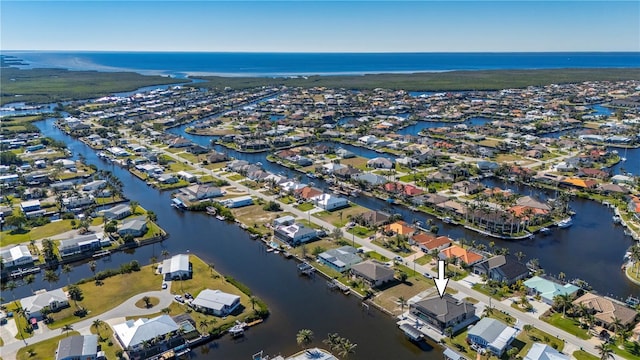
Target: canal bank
295	302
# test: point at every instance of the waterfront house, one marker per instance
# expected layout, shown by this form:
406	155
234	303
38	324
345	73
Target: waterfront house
77	202
135	227
374	218
237	202
330	202
380	163
442	313
177	267
295	234
167	179
540	351
65	163
83	347
17	256
548	289
430	242
82	244
502	268
492	334
400	228
284	221
340	259
346	172
201	192
369	178
457	254
54	300
345	154
217	157
117	212
94	185
372	272
606	310
61	185
215	302
307	193
147	336
9	179
186	176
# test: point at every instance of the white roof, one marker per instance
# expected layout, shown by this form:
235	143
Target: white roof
36	302
30	203
215	299
16	252
132	333
544	352
177	263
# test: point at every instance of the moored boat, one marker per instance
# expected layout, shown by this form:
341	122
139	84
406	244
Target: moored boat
565	223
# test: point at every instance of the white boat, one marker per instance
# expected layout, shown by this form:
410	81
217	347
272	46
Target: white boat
616	219
565	223
447	220
545	231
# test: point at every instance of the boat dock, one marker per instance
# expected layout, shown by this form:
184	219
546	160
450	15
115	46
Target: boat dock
335	284
306	269
24	272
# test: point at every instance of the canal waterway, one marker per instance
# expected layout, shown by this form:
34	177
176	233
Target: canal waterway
592	249
296	302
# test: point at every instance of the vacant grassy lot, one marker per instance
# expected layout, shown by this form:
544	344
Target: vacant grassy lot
36	233
389	297
567	324
341	217
356	162
100	298
254	216
44	350
305	206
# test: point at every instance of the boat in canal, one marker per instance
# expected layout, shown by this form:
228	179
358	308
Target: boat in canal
545	231
565	223
616	219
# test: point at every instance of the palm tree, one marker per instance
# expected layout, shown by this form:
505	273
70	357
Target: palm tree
520	255
147	301
166	311
165	254
333	341
11	286
51	276
616	324
304	337
97	324
152	260
29	280
346	348
563	301
605	351
67	269
561	276
134	206
448	331
67	328
203	325
253	301
402	302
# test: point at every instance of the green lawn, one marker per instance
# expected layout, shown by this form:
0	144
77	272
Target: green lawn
536	335
152	230
361	231
567	324
287	200
340	218
99	298
305	206
235	177
583	355
376	256
631	350
179	166
40	232
179	184
21	323
107	342
44	350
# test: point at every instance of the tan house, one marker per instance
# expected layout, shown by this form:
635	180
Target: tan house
605	310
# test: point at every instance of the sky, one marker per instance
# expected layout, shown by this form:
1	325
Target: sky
321	26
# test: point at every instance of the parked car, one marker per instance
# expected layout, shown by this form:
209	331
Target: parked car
164	286
188	296
398	258
428	276
179	298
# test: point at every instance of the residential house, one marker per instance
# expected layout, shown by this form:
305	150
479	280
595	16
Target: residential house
117	212
186	176
201	192
54	300
374	218
177	267
430	242
295	234
284	221
217	157
444	312
76	202
372	272
167	179
136	336
31	209
548	289
82	244
340	259
369	178
502	268
237	202
94	185
80	347
540	351
307	193
400	228
606	310
380	163
492	334
346	172
457	254
17	256
215	302
330	202
135	227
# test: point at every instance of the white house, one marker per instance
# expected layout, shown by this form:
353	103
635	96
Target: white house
83	347
117	212
94	185
54	300
136	227
65	163
201	192
16	256
295	234
544	352
237	202
215	302
132	334
330	202
178	267
368	139
492	334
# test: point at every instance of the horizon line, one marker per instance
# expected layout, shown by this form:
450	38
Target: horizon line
326	52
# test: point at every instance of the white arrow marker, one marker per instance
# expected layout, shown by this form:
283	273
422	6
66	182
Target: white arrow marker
441	281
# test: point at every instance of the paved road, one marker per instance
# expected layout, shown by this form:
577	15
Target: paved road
572	341
127	308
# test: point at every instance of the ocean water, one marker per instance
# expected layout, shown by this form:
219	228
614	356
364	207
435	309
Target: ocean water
304	64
